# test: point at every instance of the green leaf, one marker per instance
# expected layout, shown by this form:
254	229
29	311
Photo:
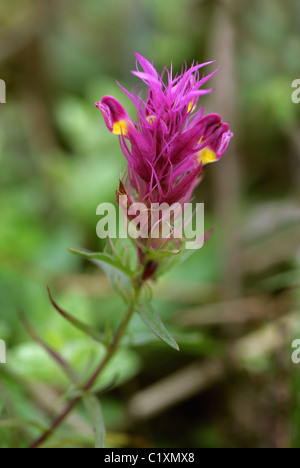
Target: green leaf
94	410
21	423
77	323
119	275
103	258
75	391
153	321
152	254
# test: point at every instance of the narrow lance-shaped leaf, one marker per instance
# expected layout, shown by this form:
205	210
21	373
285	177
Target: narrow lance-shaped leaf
103	257
118	273
94	410
152	254
77	323
153	321
77	392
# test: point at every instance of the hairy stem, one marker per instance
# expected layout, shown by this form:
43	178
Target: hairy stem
89	384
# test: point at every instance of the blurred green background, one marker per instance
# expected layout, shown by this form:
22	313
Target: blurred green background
233	306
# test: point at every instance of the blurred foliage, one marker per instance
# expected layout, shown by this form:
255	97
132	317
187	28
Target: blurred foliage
58	162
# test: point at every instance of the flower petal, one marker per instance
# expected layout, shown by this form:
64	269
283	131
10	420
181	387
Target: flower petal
216	145
115	116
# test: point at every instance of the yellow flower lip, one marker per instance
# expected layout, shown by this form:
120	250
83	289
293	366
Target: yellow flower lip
120	127
206	156
116	118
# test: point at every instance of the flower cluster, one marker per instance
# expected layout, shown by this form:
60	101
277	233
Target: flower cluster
171	140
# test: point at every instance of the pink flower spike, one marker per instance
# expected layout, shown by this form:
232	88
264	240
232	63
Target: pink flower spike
171	140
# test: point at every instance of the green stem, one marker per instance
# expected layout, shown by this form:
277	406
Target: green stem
89	384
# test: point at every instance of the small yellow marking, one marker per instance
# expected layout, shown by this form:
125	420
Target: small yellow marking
120	128
151	119
206	156
191	107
